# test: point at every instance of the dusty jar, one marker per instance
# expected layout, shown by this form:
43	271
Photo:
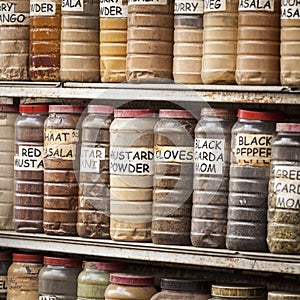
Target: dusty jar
130	287
29	167
284	189
252	136
23	276
5	262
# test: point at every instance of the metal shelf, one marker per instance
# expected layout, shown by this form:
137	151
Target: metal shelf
187	255
154	92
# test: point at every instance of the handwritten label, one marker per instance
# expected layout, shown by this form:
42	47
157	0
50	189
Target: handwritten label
287	186
72	5
253	149
8	16
3	284
47	297
147	2
174	154
131	161
188	7
3	119
256	5
209	156
90	159
214	5
290	9
29	159
42	8
113	9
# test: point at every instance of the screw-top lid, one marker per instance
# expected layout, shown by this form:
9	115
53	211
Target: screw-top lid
218	113
276	295
267	115
106	266
74	109
9	108
134	113
184	284
237	291
288	127
21	257
5	255
131	279
175	114
100	109
34	108
63	261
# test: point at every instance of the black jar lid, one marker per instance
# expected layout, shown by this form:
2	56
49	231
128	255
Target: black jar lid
5	256
184	284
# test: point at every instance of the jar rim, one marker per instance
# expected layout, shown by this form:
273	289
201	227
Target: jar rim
62	261
24	257
132	279
176	114
100	109
134	113
75	109
288	127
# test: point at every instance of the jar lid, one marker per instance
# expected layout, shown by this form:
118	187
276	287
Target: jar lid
176	114
131	279
276	295
267	115
104	109
74	109
134	113
237	291
63	261
218	113
34	108
5	255
9	108
106	266
288	127
21	257
184	284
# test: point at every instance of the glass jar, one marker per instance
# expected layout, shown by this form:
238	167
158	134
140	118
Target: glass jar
29	167
191	289
130	287
62	138
131	174
252	136
211	177
23	276
8	115
58	278
284	189
5	262
94	279
93	206
173	177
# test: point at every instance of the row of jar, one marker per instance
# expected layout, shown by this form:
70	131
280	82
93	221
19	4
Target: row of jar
126	175
33	276
210	42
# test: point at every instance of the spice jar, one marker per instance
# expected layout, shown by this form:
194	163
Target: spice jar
58	278
29	167
183	289
23	276
173	177
5	262
79	49
252	136
94	279
130	287
220	28
150	41
8	115
278	295
131	174
62	155
93	204
211	177
284	189
237	292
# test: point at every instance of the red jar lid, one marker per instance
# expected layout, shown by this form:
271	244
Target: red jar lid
288	127
107	266
261	115
9	108
134	113
34	108
71	109
63	261
130	279
218	113
5	255
34	258
102	109
175	114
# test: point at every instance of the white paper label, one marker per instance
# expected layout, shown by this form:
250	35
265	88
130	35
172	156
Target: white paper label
9	17
209	156
174	154
113	9
3	284
29	159
131	161
256	5
188	7
90	159
214	5
42	8
287	186
72	5
3	119
147	2
290	9
47	297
